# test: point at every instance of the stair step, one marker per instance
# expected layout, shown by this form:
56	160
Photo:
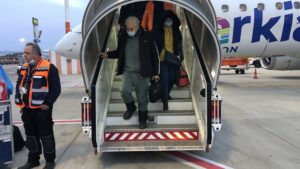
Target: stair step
168	145
117	84
176	117
154	113
151	128
176	93
174	104
153	138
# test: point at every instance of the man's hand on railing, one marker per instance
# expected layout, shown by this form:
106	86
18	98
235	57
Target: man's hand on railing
103	55
156	78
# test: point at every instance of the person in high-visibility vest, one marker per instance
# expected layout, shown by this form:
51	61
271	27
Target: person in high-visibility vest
37	88
147	21
154	12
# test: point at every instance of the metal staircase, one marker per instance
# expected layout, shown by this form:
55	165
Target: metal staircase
187	125
176	127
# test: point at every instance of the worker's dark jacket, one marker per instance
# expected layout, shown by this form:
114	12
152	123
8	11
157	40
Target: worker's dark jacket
149	59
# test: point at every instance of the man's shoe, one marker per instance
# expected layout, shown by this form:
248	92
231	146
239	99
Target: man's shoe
127	115
150	118
143	125
49	165
131	108
143	116
165	105
29	165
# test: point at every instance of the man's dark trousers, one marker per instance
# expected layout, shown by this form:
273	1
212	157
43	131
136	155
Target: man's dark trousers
38	126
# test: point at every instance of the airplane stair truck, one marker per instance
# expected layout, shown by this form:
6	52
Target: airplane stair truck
194	111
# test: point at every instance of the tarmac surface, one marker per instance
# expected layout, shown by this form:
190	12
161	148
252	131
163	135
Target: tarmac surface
260	129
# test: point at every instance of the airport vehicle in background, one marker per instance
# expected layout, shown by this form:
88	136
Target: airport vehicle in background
255	62
238	64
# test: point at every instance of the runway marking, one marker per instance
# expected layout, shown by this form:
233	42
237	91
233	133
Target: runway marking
56	122
194	161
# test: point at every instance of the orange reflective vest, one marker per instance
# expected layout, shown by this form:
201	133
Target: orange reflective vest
147	21
169	6
38	88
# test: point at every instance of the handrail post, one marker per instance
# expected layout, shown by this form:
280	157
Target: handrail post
93	88
208	83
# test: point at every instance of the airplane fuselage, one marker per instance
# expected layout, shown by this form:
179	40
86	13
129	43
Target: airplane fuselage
248	32
254	32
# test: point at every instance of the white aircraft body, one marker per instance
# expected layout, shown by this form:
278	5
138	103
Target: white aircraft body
267	29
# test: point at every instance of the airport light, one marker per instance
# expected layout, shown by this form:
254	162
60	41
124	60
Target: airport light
22	40
36	33
35	21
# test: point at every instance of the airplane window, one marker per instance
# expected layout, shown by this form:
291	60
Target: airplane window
243	7
260	6
297	5
279	5
225	8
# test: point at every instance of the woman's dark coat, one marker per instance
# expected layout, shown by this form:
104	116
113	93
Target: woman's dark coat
177	37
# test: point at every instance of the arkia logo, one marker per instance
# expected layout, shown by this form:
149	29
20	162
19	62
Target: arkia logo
223	30
261	26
